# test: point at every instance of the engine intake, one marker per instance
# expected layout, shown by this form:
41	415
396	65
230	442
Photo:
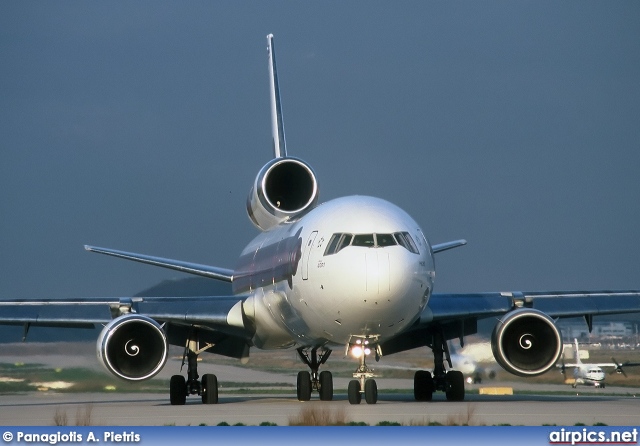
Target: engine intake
526	342
284	188
133	347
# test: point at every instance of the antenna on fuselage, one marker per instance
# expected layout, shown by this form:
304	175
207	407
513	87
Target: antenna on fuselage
277	125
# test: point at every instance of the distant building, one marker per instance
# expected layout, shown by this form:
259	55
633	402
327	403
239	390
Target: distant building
602	331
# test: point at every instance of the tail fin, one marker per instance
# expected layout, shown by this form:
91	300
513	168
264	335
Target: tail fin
577	352
277	126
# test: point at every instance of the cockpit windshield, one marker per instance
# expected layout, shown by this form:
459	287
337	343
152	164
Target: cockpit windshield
339	241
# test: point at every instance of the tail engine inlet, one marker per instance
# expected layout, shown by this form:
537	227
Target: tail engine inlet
133	347
284	189
526	342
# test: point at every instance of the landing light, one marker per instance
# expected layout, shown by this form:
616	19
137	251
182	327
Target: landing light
357	351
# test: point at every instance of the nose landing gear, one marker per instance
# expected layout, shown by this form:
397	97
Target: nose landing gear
363	382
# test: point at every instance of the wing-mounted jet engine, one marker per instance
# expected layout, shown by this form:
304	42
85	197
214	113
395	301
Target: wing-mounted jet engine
285	188
526	342
133	347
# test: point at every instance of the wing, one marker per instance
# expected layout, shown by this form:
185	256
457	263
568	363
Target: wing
456	315
448	245
556	304
219	318
211	272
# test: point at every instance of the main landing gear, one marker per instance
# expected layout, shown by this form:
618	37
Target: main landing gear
308	382
180	388
451	382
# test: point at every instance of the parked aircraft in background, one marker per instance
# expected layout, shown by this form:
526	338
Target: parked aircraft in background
354	274
591	374
473	371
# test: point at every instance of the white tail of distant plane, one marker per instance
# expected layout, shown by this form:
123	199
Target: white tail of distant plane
576	352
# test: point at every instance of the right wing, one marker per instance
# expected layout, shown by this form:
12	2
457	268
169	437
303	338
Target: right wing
221	319
215	312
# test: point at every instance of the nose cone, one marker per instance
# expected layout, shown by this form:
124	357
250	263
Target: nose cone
381	291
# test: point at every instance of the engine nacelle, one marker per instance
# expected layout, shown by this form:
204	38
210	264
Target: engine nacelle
526	342
283	189
133	347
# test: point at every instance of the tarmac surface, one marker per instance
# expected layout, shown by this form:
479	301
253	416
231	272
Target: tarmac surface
531	404
47	408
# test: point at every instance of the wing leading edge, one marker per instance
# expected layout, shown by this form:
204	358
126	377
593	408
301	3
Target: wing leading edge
452	316
219	320
211	272
223	313
556	304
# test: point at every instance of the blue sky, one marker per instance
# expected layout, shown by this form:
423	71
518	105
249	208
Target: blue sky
141	126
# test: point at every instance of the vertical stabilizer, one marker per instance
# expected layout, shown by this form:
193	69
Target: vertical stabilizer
577	352
277	126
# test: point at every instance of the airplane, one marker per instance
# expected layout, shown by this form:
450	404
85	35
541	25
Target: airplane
591	374
469	367
354	274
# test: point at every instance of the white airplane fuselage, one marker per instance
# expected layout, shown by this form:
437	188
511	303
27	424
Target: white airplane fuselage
303	292
589	376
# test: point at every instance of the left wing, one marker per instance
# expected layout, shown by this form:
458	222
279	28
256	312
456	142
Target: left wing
556	304
451	316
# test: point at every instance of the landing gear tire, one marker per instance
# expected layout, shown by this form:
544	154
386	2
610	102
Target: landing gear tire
303	386
354	392
455	386
326	386
370	391
423	386
178	390
209	389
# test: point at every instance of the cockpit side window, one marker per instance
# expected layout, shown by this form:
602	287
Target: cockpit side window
404	239
345	241
337	242
333	243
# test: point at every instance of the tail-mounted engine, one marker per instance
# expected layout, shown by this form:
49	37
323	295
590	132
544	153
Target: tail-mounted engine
133	347
284	189
526	342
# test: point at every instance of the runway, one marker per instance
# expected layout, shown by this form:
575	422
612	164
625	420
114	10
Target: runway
44	409
532	404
